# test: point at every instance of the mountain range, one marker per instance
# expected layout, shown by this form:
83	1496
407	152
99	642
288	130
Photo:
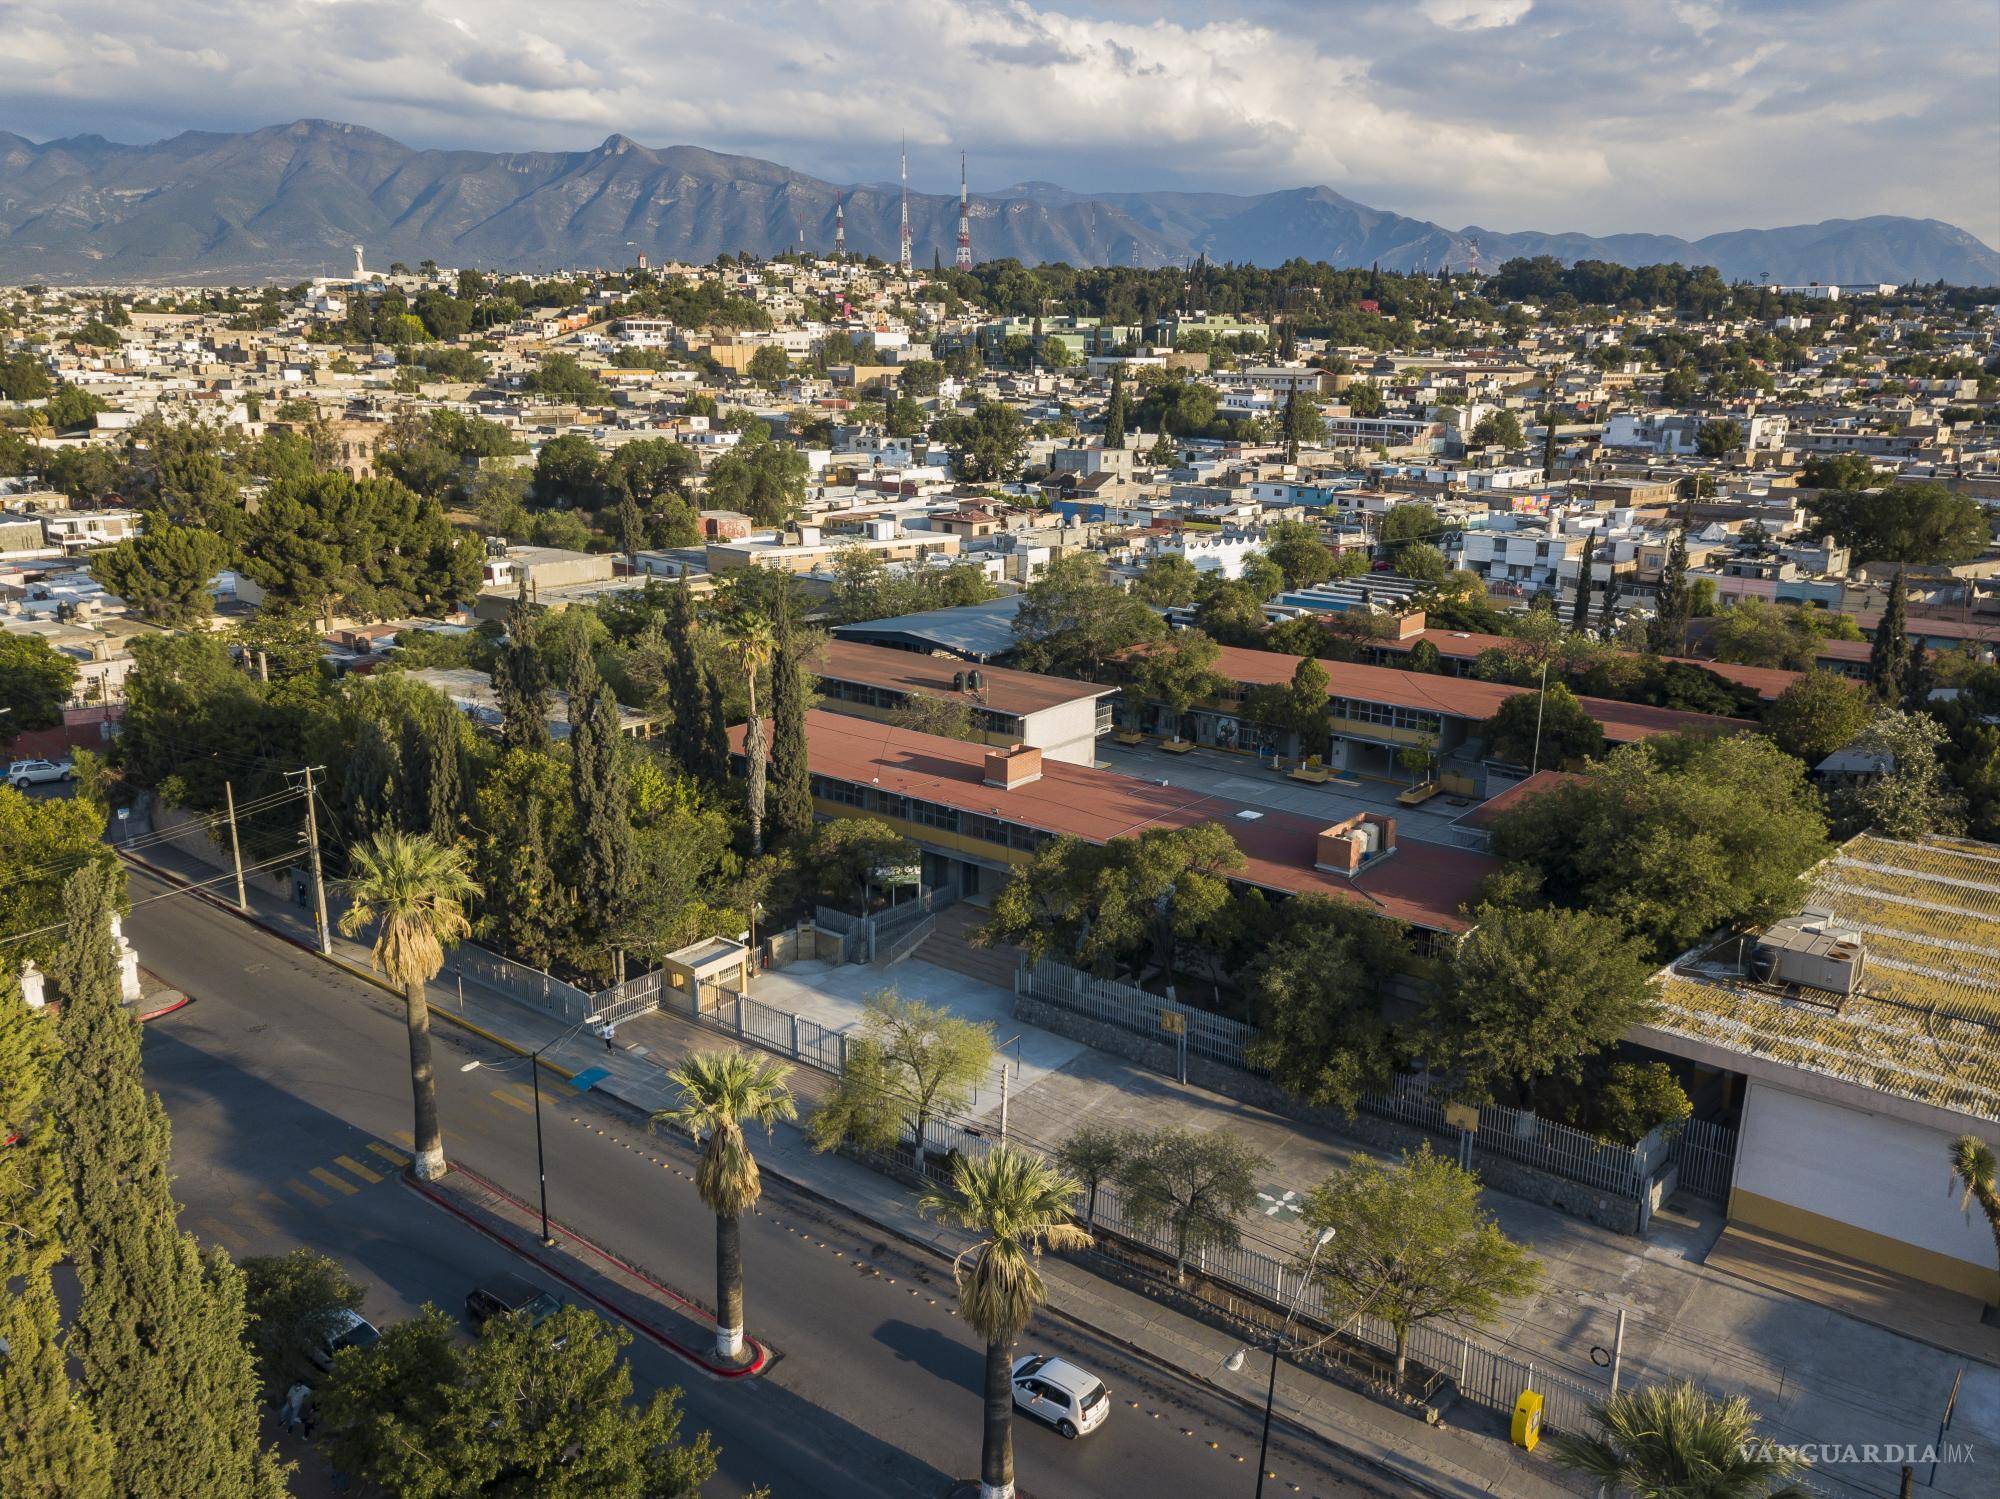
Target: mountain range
293	199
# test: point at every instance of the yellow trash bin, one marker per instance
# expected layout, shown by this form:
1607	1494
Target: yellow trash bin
1527	1421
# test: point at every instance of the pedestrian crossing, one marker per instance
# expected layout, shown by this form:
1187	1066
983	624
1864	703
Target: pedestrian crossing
251	1223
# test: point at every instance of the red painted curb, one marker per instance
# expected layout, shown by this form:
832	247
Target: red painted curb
761	1355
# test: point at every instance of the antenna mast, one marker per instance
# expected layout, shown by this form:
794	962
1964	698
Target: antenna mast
962	257
903	255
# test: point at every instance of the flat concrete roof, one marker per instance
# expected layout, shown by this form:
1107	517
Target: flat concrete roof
1002	689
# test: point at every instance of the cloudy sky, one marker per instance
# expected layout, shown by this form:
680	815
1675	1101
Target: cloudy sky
1679	116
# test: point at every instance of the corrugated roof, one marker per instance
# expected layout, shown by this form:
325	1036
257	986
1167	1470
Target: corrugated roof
1002	689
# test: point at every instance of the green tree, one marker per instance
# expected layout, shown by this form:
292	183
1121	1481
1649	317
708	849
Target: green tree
768	365
530	1408
1668	631
1534	993
24	377
521	683
35	681
1177	673
1674	837
1411	1244
1754	633
755	643
1364	400
1319	987
1299	552
1974	1165
414	892
1848	471
158	1335
1117	411
560	375
1192	1185
1073	621
909	1065
791	700
1579	614
602	794
1303	424
292	1303
988	445
1889	654
1817	714
719	1091
766	482
1016	1204
1168	579
845	855
1913	797
1411	521
1536	729
1297	709
1498	429
1679	1442
569	471
1911	523
1422	561
1090	1155
1718	439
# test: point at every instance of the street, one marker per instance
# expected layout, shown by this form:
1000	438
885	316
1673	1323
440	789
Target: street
287	1086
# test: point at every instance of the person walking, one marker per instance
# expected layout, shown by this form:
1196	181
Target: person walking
610	1035
295	1402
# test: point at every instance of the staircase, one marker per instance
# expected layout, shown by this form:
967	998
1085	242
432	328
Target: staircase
949	946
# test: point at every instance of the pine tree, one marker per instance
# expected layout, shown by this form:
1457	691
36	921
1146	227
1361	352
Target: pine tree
1607	611
1670	614
522	684
1580	612
631	525
603	798
715	730
1292	425
791	698
1889	656
1548	445
158	1337
524	904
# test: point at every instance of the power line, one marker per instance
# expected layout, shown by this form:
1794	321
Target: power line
188	889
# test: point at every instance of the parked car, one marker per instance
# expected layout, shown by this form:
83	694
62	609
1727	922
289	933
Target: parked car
347	1329
21	774
1071	1400
509	1296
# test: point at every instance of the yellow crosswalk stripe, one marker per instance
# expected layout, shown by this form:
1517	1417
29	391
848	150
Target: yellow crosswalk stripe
405	1136
394	1157
321	1174
307	1193
513	1100
273	1201
217	1229
353	1167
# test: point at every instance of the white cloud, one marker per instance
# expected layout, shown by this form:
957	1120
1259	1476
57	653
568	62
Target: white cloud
1598	115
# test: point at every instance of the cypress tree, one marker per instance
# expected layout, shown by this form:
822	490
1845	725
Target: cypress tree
1670	615
603	799
1548	445
1889	655
1291	426
791	698
1580	612
1115	414
158	1336
522	684
1607	611
686	698
714	729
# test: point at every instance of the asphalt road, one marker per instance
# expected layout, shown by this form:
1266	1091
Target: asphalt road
284	1076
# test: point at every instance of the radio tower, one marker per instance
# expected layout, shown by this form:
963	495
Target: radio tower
962	257
903	255
840	231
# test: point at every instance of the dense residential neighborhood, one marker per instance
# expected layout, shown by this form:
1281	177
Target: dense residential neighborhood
1439	827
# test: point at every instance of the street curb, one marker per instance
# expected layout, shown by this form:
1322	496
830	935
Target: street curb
353	970
701	1361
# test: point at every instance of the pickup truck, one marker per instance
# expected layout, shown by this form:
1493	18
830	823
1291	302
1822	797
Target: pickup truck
21	774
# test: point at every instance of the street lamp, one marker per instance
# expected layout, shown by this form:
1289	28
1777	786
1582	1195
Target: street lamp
1234	1363
535	1074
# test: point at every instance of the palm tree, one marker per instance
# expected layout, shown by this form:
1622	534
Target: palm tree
1016	1203
414	890
1973	1163
719	1090
756	643
1679	1442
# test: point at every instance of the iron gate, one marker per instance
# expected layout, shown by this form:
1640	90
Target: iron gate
1707	1157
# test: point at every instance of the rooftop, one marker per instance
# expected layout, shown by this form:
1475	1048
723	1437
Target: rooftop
976	631
1001	689
1420	884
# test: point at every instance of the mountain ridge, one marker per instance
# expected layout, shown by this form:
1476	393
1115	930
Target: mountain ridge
291	199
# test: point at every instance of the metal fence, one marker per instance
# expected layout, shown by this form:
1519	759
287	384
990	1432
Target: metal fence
737	1014
518	981
852	931
1208	1035
1707	1156
907	941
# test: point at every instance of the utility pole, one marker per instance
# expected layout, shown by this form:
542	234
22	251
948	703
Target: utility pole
235	849
324	932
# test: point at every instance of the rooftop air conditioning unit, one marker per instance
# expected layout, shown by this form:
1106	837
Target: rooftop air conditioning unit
1812	953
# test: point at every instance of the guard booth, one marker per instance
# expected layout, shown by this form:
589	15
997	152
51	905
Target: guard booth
703	976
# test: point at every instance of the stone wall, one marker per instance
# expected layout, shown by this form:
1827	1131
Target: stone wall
1619	1214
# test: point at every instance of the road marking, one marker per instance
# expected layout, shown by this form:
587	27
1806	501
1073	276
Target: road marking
353	1167
217	1229
344	1188
512	1102
274	1202
308	1193
1289	1202
394	1157
405	1136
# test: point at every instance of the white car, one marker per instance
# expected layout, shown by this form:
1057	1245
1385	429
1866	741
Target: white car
1058	1392
21	774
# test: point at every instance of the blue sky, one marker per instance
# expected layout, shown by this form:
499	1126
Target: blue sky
1675	116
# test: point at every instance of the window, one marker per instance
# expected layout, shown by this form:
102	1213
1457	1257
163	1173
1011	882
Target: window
1355	710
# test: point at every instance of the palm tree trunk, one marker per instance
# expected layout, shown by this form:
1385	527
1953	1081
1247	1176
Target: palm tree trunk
728	1287
429	1163
996	1450
753	769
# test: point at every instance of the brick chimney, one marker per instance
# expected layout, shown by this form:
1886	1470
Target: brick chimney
1016	765
1358	840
